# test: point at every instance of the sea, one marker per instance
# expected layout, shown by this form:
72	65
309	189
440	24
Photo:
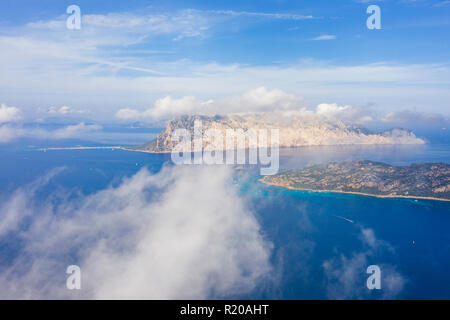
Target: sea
322	242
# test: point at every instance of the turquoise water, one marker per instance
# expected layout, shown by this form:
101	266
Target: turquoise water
309	231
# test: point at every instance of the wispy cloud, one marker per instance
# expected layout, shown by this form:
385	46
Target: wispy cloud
281	16
105	77
324	37
418	118
9	133
346	277
442	3
132	27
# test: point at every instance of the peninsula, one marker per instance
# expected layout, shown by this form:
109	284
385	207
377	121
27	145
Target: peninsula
418	181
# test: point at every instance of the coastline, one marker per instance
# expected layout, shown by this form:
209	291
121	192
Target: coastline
262	179
168	151
355	193
112	147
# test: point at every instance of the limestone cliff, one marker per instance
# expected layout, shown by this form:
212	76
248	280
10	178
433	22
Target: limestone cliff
294	131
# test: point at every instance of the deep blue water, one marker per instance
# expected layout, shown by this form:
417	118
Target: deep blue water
306	228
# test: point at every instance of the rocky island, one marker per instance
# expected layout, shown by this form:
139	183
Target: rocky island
419	181
294	131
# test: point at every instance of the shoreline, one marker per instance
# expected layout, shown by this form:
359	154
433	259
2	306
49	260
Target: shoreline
280	147
262	179
112	147
355	193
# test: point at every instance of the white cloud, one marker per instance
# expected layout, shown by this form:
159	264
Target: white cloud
324	37
346	276
130	26
262	99
418	118
96	83
128	114
327	109
14	131
333	112
16	209
10	133
163	107
253	101
281	16
64	110
168	106
183	233
71	131
9	114
256	100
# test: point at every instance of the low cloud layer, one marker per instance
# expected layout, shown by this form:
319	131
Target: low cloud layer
12	126
257	100
254	101
180	234
64	110
418	118
264	100
9	133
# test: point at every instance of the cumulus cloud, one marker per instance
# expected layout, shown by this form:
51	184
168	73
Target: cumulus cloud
13	131
346	276
284	105
169	106
164	107
262	99
9	114
64	110
183	233
343	113
257	100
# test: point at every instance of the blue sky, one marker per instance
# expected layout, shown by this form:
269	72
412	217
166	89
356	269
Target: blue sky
132	54
413	31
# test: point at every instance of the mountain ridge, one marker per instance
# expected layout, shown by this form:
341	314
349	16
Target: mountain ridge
294	131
